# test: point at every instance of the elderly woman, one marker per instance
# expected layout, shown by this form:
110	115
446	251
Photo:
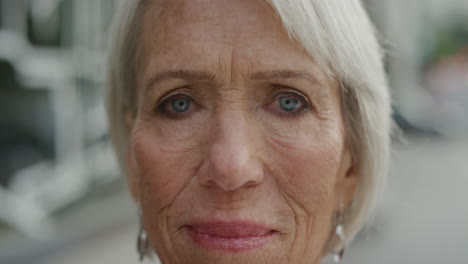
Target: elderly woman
251	131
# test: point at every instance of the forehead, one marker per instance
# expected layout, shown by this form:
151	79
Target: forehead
216	33
230	15
238	23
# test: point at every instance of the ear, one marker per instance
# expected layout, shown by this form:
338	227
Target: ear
133	178
346	181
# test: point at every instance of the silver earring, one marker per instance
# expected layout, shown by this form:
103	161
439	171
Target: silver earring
339	232
338	256
142	243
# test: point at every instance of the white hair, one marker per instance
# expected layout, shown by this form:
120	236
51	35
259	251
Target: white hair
341	39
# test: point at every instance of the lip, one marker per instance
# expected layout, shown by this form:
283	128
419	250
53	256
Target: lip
233	236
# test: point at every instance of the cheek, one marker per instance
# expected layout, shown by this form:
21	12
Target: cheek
307	169
164	167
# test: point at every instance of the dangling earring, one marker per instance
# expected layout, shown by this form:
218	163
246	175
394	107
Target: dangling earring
338	256
339	232
142	242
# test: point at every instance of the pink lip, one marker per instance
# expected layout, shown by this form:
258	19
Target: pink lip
230	236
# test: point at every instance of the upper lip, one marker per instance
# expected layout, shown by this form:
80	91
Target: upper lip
230	229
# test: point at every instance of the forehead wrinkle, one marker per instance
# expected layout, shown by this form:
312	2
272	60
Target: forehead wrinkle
192	12
163	31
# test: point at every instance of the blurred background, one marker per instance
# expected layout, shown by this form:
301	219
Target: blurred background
63	200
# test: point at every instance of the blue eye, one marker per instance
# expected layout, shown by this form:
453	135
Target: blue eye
289	104
180	105
177	106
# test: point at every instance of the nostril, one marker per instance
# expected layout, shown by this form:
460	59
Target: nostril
251	184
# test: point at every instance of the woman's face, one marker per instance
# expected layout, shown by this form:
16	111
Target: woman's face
237	150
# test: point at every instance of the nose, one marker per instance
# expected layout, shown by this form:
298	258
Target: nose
231	162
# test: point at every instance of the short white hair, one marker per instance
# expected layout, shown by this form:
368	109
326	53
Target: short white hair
340	37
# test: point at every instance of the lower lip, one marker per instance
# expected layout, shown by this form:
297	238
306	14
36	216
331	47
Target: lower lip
231	244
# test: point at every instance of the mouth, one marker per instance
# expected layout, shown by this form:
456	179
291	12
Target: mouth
230	236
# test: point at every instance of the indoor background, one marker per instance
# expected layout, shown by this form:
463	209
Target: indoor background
63	200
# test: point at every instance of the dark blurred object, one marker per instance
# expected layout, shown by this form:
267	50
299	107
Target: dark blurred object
26	135
409	128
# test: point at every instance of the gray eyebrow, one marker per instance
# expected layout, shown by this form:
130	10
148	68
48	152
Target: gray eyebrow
285	74
187	75
179	74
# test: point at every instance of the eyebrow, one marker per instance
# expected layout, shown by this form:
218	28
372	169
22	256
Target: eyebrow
285	74
179	74
187	75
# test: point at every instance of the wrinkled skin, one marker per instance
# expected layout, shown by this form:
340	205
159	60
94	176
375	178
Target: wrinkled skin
236	152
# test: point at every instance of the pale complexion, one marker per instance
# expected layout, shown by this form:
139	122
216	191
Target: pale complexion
234	122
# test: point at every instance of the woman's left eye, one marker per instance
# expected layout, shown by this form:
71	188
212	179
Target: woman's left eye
176	106
288	103
180	105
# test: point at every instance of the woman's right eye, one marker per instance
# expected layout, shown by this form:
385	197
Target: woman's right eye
176	106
